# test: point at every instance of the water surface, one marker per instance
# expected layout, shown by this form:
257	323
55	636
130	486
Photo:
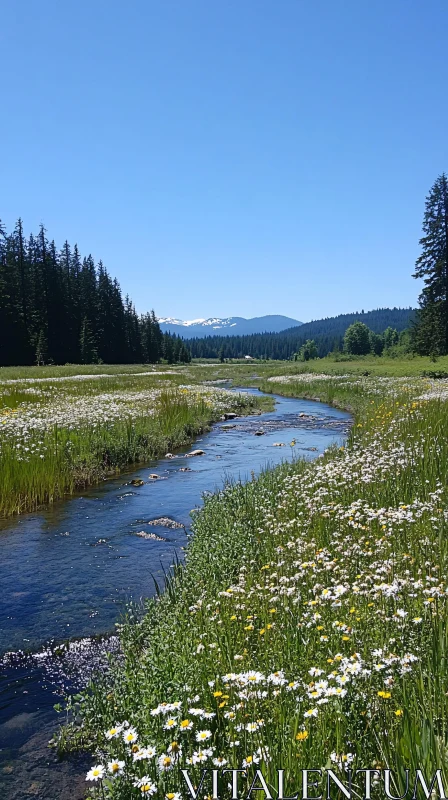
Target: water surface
68	571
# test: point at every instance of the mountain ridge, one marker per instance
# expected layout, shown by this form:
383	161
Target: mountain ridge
227	326
328	334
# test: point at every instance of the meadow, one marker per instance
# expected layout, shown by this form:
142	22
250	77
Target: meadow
64	428
307	627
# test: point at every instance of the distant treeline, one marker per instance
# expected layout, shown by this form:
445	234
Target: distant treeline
328	335
57	307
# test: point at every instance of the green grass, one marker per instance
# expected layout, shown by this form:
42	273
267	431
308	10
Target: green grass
70	370
77	455
365	526
76	459
209	369
57	437
374	365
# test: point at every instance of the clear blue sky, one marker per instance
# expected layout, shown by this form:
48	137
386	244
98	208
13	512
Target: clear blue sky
222	157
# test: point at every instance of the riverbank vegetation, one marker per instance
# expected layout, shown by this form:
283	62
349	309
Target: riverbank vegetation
64	433
236	370
65	427
308	624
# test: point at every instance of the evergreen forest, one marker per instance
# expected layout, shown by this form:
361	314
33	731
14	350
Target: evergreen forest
328	335
57	307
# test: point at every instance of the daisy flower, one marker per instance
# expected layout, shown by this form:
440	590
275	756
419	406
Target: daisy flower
115	767
112	733
130	736
146	786
202	736
165	762
96	773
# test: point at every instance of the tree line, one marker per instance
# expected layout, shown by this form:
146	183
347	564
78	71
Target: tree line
57	307
424	332
327	335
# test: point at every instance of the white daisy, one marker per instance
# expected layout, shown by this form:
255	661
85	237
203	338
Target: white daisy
96	773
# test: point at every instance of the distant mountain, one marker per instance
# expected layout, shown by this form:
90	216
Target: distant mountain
229	326
328	334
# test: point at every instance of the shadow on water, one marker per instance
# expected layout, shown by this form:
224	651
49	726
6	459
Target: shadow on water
67	572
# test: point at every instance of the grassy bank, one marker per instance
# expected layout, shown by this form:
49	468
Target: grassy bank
308	626
65	433
209	369
410	366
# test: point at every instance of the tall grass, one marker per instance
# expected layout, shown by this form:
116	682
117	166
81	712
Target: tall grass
309	621
44	465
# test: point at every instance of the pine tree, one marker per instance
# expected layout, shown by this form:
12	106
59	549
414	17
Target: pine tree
41	349
76	307
57	307
11	301
105	343
177	345
87	345
3	296
157	338
168	348
89	291
184	354
431	327
133	335
428	331
23	268
70	333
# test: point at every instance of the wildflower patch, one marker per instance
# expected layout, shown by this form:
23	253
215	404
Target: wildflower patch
307	628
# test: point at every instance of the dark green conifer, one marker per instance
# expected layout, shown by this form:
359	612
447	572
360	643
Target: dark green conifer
87	345
41	349
431	327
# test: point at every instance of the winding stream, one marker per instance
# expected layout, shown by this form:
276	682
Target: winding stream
67	572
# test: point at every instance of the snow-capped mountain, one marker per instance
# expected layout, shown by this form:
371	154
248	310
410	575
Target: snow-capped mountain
228	326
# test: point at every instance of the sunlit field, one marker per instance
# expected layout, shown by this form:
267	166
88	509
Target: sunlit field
62	432
204	369
308	624
64	428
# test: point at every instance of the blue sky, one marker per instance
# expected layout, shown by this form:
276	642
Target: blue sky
222	157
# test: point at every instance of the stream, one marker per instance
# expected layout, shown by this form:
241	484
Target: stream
66	573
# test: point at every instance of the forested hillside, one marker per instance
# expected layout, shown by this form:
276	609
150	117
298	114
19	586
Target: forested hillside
57	307
327	333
